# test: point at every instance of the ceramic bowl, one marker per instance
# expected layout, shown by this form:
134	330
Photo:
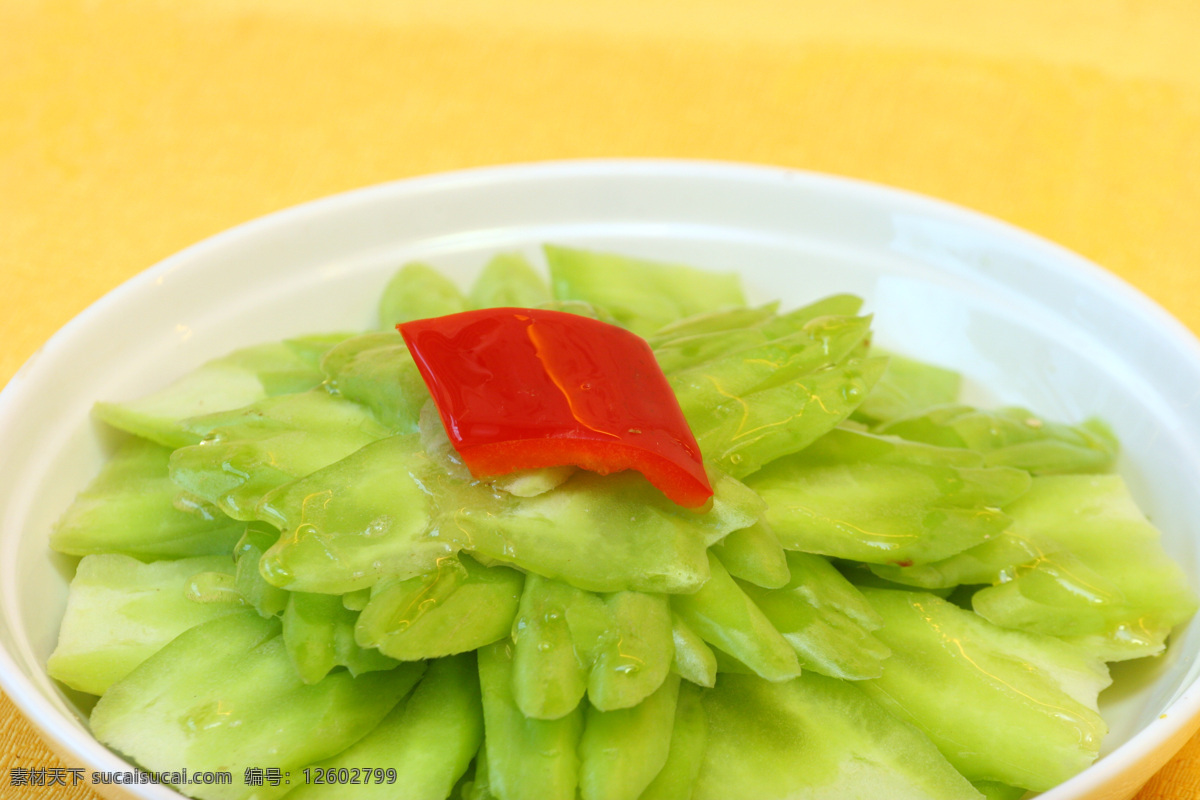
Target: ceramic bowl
1025	321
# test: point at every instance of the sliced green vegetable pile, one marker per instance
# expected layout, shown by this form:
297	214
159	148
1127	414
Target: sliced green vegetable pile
284	566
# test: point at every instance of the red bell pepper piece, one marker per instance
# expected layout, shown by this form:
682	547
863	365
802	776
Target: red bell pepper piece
520	388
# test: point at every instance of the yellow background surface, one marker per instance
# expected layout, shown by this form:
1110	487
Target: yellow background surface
129	130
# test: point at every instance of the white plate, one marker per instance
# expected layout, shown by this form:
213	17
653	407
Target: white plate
1025	321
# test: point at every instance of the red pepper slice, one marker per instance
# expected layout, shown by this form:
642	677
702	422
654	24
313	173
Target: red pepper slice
520	388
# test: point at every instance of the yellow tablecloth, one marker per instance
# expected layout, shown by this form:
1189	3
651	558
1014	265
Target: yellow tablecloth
129	130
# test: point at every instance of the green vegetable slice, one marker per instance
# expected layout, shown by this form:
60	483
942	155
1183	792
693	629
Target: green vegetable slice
738	318
605	533
618	648
1001	705
816	738
1013	437
685	756
508	281
725	617
225	696
121	611
418	291
1079	562
825	619
129	508
834	305
754	555
686	354
757	393
377	371
267	599
694	660
550	673
527	759
726	369
429	738
244	376
250	451
461	607
770	353
318	632
881	500
1117	586
999	791
311	350
361	519
989	562
635	655
478	785
764	320
642	295
622	750
748	432
907	387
